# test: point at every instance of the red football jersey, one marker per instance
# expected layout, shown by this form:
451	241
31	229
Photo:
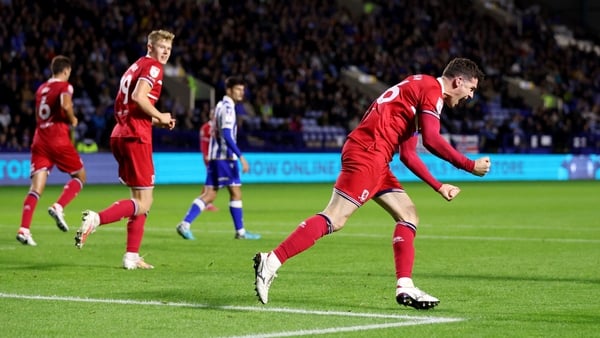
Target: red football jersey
131	120
52	122
205	131
392	117
392	122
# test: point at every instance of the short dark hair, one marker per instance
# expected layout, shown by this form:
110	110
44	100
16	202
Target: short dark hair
463	67
233	81
59	63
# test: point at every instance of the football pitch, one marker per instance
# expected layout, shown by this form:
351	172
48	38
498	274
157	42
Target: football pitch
506	259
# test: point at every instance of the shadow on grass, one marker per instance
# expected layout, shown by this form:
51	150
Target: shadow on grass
504	278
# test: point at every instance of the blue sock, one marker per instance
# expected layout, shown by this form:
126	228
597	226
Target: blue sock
235	208
194	211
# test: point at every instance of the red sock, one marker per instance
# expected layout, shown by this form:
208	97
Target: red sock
404	250
29	205
305	236
70	190
117	211
135	232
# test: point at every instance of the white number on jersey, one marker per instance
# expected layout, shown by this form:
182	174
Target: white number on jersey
44	109
124	87
393	92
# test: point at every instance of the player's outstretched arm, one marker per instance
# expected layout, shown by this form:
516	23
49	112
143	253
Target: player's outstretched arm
482	166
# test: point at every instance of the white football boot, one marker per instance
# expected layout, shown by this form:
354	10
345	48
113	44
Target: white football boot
133	261
24	236
89	224
56	212
264	277
409	295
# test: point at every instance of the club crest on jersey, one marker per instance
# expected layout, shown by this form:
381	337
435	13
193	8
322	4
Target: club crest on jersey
154	71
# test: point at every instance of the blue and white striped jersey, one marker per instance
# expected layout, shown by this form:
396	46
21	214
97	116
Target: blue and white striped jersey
225	118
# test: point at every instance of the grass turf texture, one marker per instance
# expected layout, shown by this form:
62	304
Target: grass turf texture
507	259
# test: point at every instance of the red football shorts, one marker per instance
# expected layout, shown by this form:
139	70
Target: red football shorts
365	174
136	168
46	156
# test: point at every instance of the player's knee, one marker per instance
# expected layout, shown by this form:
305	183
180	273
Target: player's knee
82	178
236	194
337	223
209	196
412	220
143	206
142	209
409	214
337	226
80	175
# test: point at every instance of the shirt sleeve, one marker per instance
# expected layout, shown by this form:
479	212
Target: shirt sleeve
68	90
228	136
408	156
437	145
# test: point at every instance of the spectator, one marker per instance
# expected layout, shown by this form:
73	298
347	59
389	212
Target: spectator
5	118
300	55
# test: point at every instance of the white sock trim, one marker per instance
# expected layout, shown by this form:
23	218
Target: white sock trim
200	203
235	204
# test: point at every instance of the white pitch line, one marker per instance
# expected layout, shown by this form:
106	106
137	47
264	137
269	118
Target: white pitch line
361	235
347	329
512	239
364	235
406	320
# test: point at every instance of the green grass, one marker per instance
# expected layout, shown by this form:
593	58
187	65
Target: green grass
505	259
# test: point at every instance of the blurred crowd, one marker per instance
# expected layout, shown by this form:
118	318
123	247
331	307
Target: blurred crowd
291	54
